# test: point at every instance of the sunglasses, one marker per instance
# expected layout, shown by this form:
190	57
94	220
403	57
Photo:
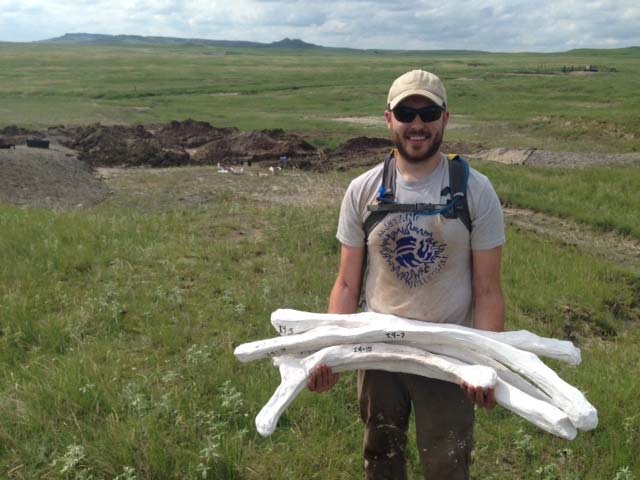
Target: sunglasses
408	114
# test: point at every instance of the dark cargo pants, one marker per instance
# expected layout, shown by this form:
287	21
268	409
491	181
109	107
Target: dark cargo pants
444	425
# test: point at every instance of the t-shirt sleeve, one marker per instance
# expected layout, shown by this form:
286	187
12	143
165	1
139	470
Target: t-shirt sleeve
487	219
350	224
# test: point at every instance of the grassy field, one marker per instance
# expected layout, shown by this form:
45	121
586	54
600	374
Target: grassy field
118	323
516	100
118	326
605	197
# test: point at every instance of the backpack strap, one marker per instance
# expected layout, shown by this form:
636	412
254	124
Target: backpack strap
386	194
458	181
457	206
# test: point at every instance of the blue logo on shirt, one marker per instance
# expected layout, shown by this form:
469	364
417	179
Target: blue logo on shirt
410	251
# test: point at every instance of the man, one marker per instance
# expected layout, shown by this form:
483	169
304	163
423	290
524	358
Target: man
421	266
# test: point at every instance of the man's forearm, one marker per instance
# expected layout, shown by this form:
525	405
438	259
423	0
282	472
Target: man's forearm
488	301
488	312
344	298
345	294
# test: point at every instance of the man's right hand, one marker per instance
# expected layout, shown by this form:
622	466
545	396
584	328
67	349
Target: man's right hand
322	380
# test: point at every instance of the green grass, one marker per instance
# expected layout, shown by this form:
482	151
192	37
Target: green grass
503	99
604	197
118	323
118	327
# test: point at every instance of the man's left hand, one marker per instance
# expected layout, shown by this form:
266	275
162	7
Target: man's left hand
484	398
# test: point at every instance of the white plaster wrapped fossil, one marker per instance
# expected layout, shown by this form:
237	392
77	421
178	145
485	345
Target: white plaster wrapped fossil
505	374
539	412
564	396
396	358
379	356
290	322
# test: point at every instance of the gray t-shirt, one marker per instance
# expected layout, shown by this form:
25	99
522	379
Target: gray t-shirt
419	266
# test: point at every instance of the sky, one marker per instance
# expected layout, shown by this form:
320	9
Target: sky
491	25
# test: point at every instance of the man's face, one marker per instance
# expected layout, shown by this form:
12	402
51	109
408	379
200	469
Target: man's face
417	141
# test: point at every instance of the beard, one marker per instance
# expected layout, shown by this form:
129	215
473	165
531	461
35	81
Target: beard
434	148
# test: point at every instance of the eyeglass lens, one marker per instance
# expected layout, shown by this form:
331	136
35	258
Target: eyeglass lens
408	114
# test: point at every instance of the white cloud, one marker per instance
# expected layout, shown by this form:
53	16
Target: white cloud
495	25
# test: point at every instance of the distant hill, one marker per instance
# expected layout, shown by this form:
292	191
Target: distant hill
633	51
286	43
100	39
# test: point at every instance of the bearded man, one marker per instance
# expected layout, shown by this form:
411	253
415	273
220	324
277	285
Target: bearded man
423	265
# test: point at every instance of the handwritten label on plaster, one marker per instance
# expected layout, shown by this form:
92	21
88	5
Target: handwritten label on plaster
395	335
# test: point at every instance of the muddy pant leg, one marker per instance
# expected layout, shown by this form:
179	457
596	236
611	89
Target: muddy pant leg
444	428
384	408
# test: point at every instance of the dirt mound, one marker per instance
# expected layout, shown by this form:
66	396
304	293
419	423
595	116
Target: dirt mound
359	144
14	135
107	146
193	142
200	143
265	145
179	143
14	131
190	133
52	178
369	151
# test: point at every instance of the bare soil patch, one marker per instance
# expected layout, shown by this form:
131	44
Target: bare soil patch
166	189
545	158
371	121
378	121
52	178
582	73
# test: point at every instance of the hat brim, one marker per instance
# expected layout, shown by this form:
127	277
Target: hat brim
421	93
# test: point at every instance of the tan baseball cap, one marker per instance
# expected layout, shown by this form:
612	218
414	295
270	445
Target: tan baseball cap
417	82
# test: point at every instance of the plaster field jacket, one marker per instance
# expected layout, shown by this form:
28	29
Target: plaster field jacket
397	358
523	383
